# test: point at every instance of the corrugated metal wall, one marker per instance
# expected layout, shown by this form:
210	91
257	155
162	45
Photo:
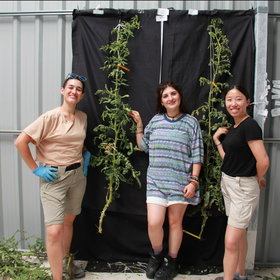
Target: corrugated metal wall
268	245
36	55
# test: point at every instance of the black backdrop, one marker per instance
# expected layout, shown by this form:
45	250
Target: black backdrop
185	59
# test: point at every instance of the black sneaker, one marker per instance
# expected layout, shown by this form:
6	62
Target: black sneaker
168	269
153	265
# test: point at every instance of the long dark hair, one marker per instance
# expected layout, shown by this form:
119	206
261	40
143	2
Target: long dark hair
161	87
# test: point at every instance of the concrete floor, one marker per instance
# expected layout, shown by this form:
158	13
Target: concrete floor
258	274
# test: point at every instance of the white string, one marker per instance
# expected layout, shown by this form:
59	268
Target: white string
161	49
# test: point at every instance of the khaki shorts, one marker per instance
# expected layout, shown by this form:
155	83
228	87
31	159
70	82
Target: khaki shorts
64	196
241	197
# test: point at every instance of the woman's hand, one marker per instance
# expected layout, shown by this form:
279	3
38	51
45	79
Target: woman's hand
262	182
189	191
137	118
218	133
139	127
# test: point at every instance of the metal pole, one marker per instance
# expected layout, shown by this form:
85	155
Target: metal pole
10	131
36	13
274	15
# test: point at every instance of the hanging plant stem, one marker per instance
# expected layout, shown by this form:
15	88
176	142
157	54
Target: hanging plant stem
211	118
113	143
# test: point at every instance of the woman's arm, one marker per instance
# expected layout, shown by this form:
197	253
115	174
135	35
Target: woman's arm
22	144
217	142
139	127
190	189
262	159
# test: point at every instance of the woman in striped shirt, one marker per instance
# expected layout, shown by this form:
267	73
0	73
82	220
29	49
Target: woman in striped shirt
174	142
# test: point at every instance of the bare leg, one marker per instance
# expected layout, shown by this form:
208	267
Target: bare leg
175	216
67	232
231	258
156	216
243	247
55	251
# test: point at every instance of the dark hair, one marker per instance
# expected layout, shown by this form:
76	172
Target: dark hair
161	87
242	89
72	78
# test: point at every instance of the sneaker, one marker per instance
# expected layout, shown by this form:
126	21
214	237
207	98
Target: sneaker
242	277
71	269
236	277
153	265
168	269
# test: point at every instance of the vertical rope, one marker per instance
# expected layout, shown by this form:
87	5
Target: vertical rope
161	49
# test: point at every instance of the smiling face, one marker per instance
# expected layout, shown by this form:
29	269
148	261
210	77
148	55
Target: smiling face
72	91
236	103
171	99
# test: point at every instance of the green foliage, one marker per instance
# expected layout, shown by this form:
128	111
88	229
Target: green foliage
273	277
113	143
211	117
20	265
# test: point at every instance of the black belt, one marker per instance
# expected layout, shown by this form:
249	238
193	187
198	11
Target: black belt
71	166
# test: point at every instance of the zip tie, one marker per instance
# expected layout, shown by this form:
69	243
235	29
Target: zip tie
191	234
123	67
215	85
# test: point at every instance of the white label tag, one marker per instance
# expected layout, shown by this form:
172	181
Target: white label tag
162	12
276	82
277	103
275	90
263	113
276	86
98	12
193	12
275	112
161	18
275	96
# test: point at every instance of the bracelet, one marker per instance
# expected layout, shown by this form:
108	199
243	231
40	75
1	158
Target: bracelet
218	144
193	177
193	183
138	132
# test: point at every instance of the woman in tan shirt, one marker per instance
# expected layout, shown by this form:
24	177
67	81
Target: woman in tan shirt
59	136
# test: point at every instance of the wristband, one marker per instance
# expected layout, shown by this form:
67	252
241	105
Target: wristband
193	183
193	177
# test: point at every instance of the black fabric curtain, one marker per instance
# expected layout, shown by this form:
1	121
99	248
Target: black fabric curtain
185	58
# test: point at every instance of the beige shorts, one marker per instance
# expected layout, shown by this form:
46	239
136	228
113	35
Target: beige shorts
64	196
241	197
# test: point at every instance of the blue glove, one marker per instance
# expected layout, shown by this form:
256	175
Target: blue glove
86	156
46	173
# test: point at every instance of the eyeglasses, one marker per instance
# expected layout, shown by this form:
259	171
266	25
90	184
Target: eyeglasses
75	76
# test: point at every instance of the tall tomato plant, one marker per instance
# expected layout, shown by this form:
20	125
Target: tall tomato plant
113	143
211	117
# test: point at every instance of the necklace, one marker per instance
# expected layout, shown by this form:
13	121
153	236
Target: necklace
173	117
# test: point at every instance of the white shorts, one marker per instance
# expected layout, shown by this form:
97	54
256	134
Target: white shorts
164	201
